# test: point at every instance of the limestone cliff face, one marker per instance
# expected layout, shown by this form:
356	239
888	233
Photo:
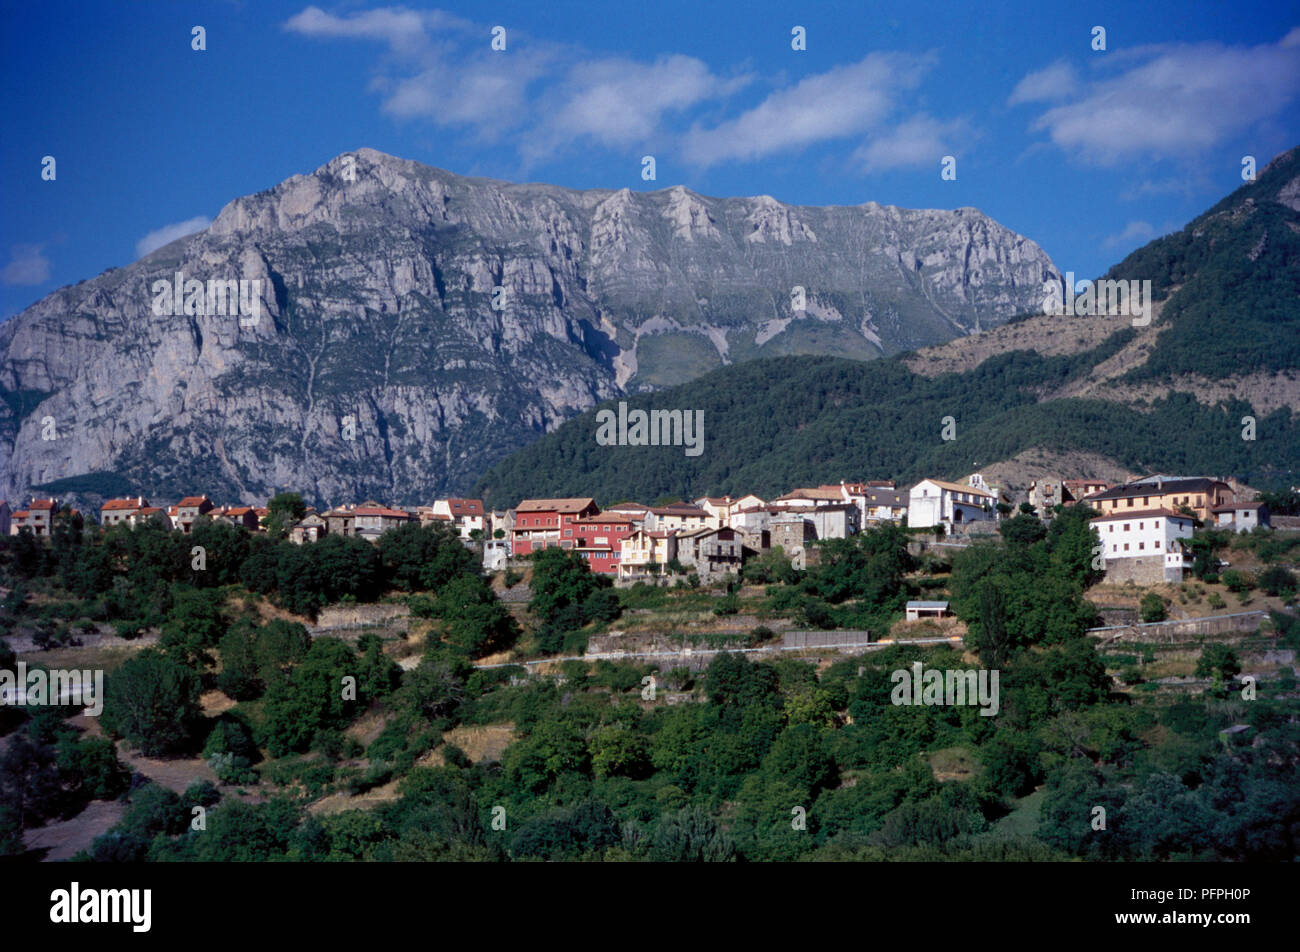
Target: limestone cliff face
378	280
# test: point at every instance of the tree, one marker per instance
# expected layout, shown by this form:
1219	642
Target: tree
618	752
1278	582
560	578
311	698
240	832
1024	529
194	624
29	780
436	687
427	557
153	702
92	769
800	755
476	621
285	510
1219	662
691	836
1152	607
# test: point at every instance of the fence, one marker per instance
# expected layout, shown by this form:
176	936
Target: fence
1183	627
825	639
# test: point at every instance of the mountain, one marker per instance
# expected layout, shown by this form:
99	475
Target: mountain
1069	396
375	279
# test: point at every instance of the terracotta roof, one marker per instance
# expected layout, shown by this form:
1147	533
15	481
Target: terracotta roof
555	505
466	507
21	513
41	504
239	510
1141	513
190	502
115	504
382	511
1233	506
150	510
822	492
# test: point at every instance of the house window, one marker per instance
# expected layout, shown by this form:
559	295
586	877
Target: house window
1142	525
1126	526
1141	546
1130	502
1125	546
568	533
1156	524
1157	543
1114	548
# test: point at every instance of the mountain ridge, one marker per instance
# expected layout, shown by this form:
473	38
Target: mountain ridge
1097	392
378	287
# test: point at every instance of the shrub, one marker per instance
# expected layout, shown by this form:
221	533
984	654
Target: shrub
1152	607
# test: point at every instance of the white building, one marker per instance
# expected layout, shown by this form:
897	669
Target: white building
933	502
1145	545
1240	516
466	514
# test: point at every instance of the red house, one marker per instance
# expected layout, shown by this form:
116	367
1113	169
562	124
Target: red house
599	540
540	523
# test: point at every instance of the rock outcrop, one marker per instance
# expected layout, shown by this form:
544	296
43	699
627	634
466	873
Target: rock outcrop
414	326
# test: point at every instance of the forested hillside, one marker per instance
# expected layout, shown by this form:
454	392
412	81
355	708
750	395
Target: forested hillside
775	424
1229	284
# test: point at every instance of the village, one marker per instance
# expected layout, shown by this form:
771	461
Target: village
1143	525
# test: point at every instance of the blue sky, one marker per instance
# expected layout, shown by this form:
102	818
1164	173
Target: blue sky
1090	153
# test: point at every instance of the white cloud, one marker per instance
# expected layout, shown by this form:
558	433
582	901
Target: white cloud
169	233
919	141
619	102
1179	99
405	31
27	265
1137	233
1054	83
487	92
843	102
1133	231
554	98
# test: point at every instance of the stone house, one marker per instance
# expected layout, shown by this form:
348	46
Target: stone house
189	509
312	527
371	520
116	512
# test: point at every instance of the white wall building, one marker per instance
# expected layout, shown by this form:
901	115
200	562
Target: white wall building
933	502
1144	545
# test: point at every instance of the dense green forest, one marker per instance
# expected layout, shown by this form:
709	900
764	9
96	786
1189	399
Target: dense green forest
765	761
771	425
1232	280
